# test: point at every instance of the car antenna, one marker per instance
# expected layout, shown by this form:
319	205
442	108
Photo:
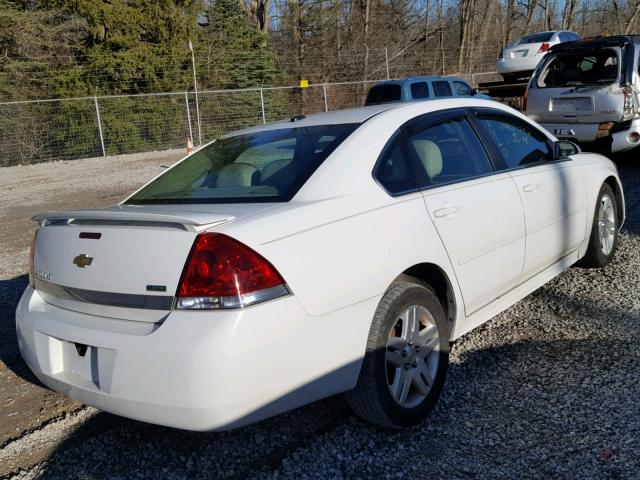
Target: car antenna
295	118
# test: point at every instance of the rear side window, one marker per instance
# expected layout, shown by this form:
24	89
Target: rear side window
442	88
393	170
575	69
384	94
419	90
448	152
266	166
462	89
519	143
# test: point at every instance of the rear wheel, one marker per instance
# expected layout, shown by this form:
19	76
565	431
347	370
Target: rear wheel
406	359
604	231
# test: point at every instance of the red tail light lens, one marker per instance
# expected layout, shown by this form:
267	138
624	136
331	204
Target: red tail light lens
544	48
223	273
32	261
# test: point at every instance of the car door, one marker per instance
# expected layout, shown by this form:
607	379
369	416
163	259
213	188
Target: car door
552	190
475	209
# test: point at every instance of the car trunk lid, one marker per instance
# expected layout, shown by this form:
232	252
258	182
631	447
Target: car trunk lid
124	262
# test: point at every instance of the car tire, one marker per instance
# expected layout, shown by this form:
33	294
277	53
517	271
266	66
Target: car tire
406	358
604	231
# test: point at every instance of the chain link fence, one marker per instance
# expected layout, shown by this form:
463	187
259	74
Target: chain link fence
45	130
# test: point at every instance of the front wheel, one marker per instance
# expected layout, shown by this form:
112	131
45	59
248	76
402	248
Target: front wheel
604	231
406	359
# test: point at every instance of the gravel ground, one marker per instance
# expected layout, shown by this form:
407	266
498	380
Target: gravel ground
547	389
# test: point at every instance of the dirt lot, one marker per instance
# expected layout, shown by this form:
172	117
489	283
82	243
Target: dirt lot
548	389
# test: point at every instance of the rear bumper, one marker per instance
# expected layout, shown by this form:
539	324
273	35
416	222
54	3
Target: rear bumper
197	370
618	141
517	65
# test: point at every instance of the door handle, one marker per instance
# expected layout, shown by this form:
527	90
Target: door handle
530	187
445	212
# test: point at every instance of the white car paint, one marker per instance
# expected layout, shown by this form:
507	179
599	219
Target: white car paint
520	58
339	244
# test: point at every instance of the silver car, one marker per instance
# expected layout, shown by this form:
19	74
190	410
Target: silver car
520	58
587	91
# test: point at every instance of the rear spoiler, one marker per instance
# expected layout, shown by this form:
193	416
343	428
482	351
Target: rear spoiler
195	222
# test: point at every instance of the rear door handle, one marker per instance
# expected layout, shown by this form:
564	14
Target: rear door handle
530	187
445	212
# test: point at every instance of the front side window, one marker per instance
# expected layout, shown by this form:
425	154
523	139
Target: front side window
393	170
518	143
448	152
462	89
419	90
575	69
266	166
384	94
442	88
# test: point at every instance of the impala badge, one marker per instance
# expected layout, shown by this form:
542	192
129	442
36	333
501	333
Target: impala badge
82	260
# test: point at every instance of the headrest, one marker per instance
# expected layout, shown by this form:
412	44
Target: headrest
430	155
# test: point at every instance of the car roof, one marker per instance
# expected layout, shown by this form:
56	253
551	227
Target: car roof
362	114
596	43
334	117
417	78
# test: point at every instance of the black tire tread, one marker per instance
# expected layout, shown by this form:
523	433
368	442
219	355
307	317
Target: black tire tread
594	258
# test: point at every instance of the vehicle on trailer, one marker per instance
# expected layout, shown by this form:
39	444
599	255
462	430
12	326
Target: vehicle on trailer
341	252
520	58
420	88
587	91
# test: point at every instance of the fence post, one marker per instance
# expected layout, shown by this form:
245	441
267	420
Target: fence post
264	118
95	100
386	61
195	89
324	94
186	102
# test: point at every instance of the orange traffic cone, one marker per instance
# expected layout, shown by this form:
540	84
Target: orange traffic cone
189	145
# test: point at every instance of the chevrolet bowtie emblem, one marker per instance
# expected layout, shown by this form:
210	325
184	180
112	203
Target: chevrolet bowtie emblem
82	260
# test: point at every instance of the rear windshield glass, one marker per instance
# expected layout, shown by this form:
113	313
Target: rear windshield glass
267	166
575	69
383	94
534	38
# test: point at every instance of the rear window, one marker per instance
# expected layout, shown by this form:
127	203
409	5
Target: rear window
442	88
383	94
267	166
533	38
585	68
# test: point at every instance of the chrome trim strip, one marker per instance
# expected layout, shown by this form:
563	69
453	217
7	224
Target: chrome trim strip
230	302
125	300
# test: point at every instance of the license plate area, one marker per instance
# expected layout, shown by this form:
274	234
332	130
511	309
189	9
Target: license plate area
571	105
81	365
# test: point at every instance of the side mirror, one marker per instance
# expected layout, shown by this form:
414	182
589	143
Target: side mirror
565	148
474	92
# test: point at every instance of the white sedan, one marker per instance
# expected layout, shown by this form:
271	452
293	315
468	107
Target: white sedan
520	58
341	252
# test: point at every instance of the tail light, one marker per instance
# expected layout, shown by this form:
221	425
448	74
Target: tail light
501	54
32	261
544	48
223	273
629	106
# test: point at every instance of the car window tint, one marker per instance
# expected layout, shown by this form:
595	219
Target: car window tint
264	166
442	88
383	94
447	152
419	90
519	143
393	170
462	88
564	37
534	38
